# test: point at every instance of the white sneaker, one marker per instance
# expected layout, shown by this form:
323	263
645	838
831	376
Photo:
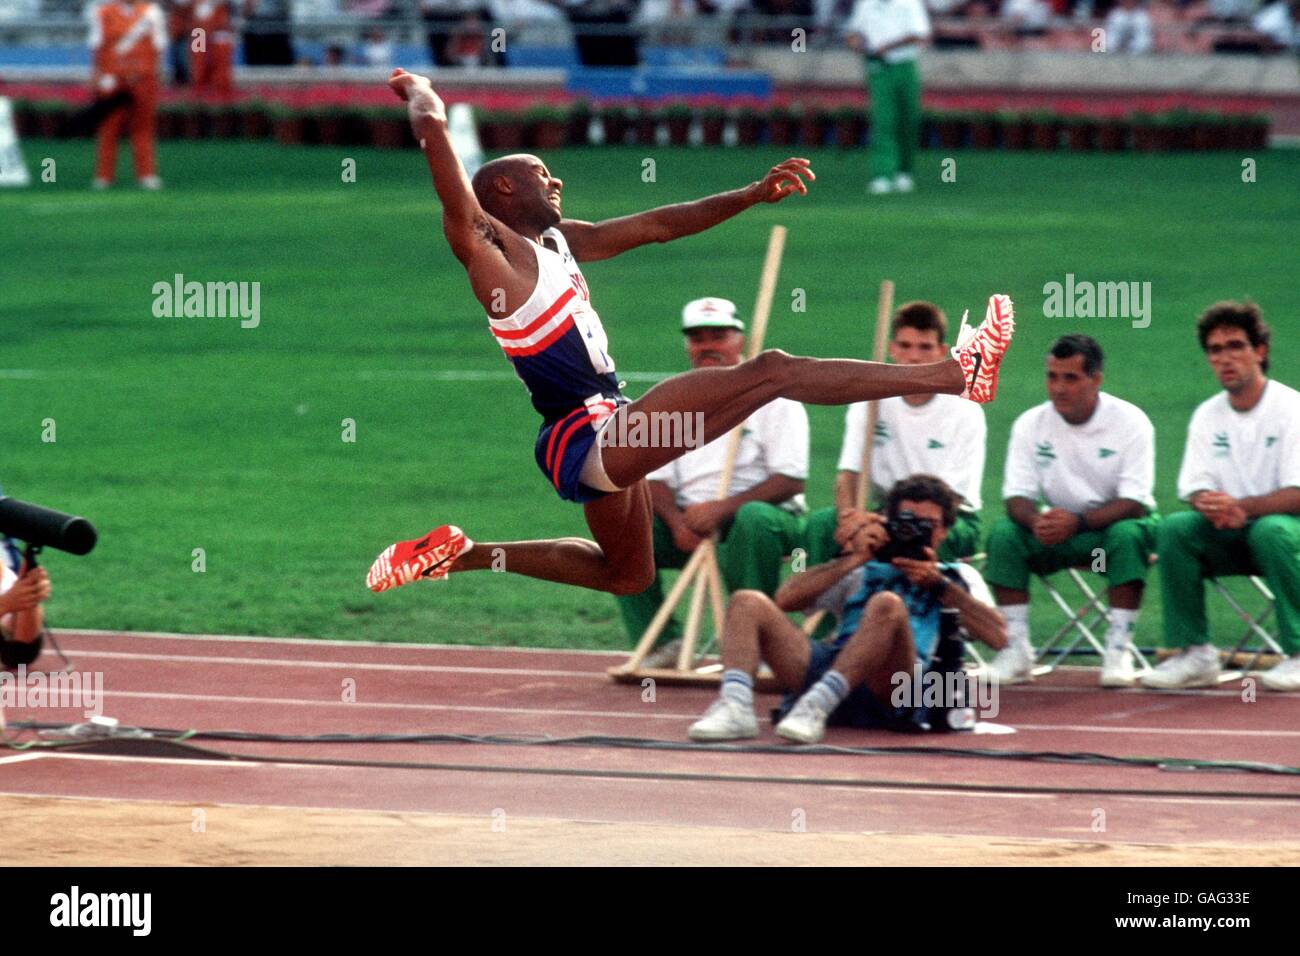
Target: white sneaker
903	183
805	724
725	720
879	186
1117	668
1014	664
150	182
101	183
1283	676
1195	667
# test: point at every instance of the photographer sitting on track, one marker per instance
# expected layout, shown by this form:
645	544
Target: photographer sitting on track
887	592
22	618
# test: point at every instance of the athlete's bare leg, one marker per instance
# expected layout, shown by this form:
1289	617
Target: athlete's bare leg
620	560
728	396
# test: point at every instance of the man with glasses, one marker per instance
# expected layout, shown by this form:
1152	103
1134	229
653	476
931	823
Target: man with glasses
1241	475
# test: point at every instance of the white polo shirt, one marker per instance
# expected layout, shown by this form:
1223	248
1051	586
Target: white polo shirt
1243	453
881	22
774	441
945	437
1079	467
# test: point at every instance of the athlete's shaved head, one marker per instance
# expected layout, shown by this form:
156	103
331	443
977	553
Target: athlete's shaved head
517	189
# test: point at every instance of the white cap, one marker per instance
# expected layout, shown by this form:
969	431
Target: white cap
710	313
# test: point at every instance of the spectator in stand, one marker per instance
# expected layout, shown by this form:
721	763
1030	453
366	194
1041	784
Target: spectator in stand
794	13
1128	28
376	48
603	31
178	40
468	46
1027	18
212	63
448	19
266	33
1277	22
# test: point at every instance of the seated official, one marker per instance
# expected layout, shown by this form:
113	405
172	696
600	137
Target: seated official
1241	475
760	519
889	621
22	617
1089	459
940	435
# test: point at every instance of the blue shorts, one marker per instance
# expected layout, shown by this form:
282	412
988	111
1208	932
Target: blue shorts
562	447
861	709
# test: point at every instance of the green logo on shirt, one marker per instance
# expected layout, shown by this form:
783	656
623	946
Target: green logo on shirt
935	443
1270	441
882	433
1045	454
1220	445
1107	452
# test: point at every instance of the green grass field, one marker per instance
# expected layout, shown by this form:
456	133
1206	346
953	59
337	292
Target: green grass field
180	433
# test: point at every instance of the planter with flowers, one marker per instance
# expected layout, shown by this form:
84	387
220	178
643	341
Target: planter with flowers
850	127
547	126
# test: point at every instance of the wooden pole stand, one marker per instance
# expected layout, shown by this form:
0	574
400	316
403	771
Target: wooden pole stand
701	569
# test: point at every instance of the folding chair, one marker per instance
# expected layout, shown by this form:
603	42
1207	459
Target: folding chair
1080	625
1254	629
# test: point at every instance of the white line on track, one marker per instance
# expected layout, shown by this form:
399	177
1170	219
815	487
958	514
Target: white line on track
20	758
332	665
392	705
72	634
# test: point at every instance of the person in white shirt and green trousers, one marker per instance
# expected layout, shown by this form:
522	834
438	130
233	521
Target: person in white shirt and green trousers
891	33
1241	476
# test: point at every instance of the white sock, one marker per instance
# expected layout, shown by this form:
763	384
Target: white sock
1017	616
738	686
1122	623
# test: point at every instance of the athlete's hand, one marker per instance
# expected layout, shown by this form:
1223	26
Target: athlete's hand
28	591
784	179
705	517
418	93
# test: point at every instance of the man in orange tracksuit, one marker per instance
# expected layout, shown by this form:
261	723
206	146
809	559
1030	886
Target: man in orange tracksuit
212	63
126	39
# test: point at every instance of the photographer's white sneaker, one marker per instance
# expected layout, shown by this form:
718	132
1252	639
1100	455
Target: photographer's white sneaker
805	724
1014	664
1283	676
1194	667
725	720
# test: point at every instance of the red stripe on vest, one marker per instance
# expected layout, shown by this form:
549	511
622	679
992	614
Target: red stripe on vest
543	343
551	311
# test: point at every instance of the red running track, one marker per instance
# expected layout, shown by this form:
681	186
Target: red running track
280	686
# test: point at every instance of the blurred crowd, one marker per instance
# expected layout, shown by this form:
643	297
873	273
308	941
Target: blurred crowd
610	32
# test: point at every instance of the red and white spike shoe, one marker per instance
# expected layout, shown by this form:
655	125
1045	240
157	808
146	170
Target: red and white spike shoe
427	558
980	351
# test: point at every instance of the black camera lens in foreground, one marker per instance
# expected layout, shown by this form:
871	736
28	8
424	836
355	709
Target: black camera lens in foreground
45	527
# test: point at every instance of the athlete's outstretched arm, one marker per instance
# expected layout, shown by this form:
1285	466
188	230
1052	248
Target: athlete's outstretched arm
485	247
589	241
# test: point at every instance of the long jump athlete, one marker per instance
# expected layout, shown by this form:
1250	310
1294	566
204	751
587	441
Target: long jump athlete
522	259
